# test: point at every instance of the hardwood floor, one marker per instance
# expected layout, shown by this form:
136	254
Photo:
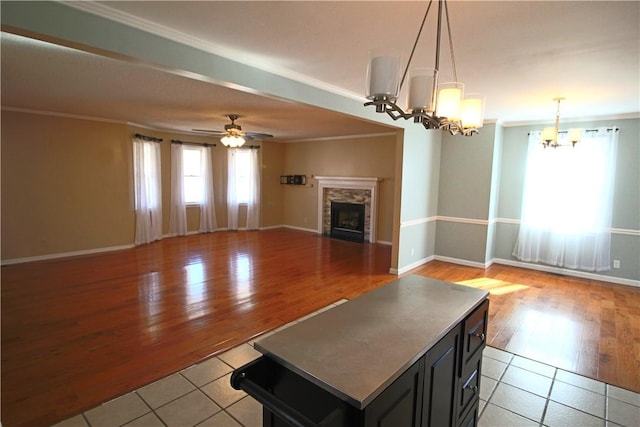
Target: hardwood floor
80	331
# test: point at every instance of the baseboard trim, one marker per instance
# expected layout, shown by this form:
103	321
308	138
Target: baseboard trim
310	230
64	255
537	267
465	262
568	272
411	266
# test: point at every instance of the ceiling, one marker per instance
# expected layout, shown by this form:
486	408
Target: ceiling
520	54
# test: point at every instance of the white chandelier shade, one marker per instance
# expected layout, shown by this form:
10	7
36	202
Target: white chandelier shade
383	75
423	83
472	111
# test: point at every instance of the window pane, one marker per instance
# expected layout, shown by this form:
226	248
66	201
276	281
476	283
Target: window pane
193	183
243	166
193	189
191	162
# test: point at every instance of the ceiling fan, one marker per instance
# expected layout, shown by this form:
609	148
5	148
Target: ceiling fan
233	135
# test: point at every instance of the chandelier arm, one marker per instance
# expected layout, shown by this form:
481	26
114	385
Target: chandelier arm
453	59
415	44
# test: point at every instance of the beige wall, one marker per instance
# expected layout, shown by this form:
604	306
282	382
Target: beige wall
271	192
67	183
349	157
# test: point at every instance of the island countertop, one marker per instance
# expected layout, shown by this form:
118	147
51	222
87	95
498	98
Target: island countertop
355	350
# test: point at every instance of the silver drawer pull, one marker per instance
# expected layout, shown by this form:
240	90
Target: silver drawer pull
473	388
481	336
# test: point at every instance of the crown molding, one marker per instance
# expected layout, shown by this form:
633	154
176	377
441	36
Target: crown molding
622	116
111	14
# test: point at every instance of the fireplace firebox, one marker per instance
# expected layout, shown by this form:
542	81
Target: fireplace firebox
347	221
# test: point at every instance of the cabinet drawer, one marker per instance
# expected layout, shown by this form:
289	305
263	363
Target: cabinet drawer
474	332
288	399
469	386
471	420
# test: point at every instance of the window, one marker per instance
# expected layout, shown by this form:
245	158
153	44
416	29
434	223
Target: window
567	203
243	175
193	180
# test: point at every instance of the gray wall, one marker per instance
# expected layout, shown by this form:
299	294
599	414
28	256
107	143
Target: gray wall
465	198
419	196
480	196
625	239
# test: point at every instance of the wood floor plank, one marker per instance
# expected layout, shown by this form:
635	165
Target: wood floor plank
79	331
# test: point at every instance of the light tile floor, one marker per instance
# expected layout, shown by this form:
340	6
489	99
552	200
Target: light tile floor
514	392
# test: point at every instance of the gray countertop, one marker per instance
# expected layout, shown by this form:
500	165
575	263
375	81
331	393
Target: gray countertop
357	349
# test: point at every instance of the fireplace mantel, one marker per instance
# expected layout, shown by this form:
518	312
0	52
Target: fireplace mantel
350	183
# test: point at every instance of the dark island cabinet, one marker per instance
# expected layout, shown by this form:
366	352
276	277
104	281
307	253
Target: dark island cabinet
400	403
439	389
441	368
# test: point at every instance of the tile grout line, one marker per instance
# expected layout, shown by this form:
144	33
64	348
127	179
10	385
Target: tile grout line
509	364
548	398
497	382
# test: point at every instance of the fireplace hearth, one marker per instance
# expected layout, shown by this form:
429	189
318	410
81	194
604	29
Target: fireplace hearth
347	221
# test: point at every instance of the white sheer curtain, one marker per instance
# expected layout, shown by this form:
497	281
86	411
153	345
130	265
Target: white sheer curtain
253	193
148	191
567	202
208	221
178	218
243	187
232	192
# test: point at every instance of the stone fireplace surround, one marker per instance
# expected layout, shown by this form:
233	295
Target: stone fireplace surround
350	190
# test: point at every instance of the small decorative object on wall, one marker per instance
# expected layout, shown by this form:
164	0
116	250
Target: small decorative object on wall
293	179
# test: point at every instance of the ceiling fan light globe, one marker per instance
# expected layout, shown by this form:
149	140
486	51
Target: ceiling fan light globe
232	141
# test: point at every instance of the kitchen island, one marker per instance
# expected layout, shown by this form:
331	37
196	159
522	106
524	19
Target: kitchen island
408	353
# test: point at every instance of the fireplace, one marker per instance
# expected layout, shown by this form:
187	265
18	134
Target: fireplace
356	190
347	221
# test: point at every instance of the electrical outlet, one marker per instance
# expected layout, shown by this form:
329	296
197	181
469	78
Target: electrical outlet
616	263
412	251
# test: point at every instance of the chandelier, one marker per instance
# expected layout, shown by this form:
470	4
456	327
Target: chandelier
550	135
436	106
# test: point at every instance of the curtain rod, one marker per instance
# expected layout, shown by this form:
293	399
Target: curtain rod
615	129
203	144
148	138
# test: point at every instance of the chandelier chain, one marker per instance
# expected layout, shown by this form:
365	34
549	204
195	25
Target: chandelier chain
453	59
415	44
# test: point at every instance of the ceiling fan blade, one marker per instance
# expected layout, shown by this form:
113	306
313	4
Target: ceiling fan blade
256	135
216	132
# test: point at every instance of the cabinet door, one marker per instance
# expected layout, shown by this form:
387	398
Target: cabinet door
440	381
400	404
